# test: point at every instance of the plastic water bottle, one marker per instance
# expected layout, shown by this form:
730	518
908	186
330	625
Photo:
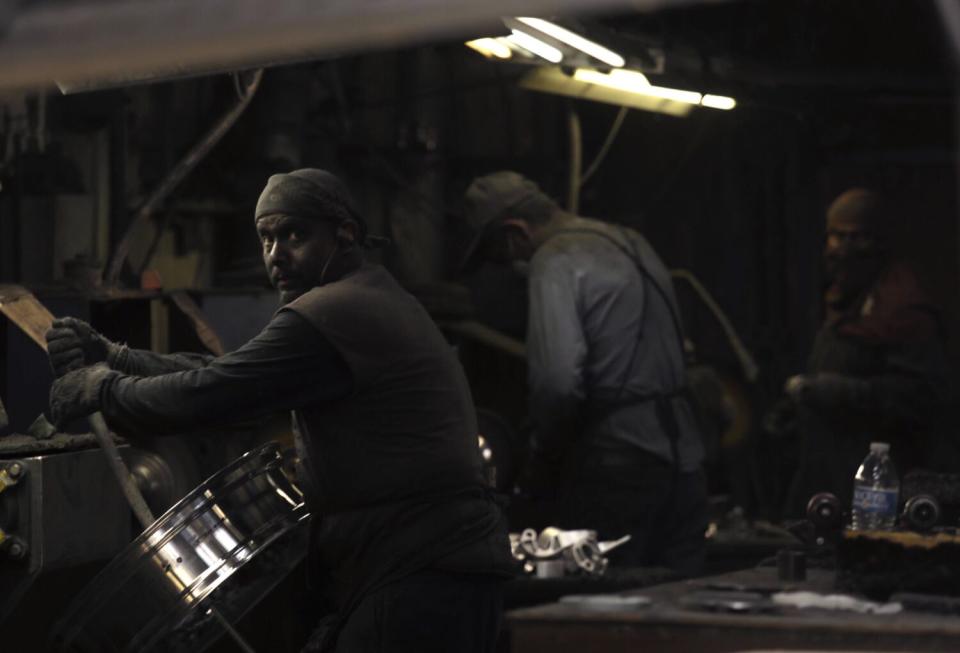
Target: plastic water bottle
876	491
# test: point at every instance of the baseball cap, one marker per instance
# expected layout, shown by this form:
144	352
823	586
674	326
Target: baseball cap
488	201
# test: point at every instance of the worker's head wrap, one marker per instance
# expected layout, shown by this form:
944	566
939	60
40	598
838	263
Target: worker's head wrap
495	197
861	222
313	194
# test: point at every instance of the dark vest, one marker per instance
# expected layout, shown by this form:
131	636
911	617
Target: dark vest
393	471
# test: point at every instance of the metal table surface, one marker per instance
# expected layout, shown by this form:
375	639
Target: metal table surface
666	625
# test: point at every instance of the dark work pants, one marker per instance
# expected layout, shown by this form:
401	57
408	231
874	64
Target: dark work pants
428	612
664	512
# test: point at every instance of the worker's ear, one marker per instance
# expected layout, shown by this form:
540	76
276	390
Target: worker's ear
347	233
519	242
514	225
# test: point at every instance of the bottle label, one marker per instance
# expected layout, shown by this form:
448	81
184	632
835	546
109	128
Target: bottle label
875	500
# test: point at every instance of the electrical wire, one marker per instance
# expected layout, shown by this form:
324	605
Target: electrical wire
576	160
751	370
607	144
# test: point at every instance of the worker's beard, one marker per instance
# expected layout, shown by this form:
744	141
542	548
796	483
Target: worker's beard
849	276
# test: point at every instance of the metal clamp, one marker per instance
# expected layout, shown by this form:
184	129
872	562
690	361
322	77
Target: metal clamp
10	475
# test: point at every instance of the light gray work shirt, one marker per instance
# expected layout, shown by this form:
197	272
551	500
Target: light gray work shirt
596	325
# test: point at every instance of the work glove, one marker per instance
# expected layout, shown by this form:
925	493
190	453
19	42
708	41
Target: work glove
72	343
77	393
829	390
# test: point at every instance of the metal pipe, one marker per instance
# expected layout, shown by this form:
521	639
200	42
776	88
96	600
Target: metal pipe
177	175
576	160
607	144
119	469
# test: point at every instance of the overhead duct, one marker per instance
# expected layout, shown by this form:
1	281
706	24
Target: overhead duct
139	40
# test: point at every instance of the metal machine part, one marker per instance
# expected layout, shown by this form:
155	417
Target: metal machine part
164	470
921	513
199	567
554	552
825	512
826	516
57	511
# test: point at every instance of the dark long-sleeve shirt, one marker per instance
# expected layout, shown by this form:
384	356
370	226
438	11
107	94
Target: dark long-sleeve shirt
287	366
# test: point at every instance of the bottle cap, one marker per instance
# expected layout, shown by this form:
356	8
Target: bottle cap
879	447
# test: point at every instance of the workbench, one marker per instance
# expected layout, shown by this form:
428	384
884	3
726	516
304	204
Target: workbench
667	625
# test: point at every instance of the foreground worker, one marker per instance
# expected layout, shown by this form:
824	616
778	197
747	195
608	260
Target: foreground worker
384	422
614	429
876	371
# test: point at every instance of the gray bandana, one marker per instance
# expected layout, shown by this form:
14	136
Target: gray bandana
309	193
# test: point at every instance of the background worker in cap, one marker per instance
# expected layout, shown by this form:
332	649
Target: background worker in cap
876	370
414	547
613	427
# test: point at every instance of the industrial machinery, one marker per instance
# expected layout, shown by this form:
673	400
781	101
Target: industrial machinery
199	568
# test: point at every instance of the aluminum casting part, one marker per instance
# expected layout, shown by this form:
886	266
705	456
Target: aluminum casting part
572	538
550	568
607	547
587	557
178	580
578	550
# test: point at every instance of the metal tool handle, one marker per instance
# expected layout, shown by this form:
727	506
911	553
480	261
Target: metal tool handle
127	484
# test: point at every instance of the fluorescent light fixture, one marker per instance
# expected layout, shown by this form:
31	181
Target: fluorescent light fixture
624	80
550	79
490	48
574	40
675	94
536	46
718	102
634	82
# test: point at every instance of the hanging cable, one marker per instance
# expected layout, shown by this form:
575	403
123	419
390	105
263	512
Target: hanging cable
576	160
751	371
607	144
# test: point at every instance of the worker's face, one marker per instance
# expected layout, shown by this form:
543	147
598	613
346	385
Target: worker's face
295	252
847	238
852	256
